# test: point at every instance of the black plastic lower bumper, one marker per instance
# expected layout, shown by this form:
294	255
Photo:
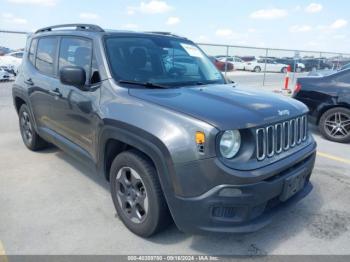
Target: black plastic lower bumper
243	208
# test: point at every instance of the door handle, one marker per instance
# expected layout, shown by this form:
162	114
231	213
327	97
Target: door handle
29	81
55	92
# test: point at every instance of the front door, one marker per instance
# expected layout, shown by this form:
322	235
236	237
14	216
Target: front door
74	111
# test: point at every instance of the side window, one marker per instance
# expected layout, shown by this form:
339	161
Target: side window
32	49
45	57
76	52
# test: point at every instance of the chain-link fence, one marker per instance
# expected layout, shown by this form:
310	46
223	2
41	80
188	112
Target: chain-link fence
266	67
247	66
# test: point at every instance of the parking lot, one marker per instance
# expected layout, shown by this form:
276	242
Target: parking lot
272	81
52	204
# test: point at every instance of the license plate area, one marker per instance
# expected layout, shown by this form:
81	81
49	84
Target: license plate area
293	185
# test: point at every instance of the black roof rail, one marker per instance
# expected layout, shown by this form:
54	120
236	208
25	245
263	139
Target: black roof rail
164	33
83	27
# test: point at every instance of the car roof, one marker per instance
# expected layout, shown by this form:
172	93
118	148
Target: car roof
94	31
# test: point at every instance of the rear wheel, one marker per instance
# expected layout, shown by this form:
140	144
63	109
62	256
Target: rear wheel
29	136
284	70
137	194
257	69
335	125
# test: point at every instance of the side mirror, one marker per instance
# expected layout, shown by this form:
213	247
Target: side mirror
73	76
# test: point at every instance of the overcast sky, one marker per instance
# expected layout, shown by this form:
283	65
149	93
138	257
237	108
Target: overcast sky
297	24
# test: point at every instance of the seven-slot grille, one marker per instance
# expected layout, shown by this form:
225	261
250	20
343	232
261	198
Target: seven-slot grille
275	139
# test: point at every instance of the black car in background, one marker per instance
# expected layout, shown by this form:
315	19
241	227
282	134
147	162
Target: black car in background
328	99
312	64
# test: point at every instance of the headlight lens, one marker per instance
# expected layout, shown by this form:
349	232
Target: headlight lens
230	143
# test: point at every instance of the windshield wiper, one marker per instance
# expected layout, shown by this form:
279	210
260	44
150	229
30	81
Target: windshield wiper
145	84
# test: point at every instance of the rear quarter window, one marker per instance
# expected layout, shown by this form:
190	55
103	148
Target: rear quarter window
31	53
46	54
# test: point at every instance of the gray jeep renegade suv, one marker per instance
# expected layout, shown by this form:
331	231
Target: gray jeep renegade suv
152	114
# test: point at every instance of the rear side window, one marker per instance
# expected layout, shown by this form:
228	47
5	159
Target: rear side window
45	57
32	49
76	52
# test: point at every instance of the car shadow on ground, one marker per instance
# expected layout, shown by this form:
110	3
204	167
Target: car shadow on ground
289	220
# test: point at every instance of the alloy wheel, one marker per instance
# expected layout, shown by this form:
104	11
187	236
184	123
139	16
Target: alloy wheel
132	194
337	125
27	129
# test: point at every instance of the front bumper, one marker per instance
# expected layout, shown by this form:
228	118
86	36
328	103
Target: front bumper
242	208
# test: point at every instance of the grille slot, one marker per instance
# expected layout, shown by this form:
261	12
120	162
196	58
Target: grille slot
292	128
275	139
279	137
260	143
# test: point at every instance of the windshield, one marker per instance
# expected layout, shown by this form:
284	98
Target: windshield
160	60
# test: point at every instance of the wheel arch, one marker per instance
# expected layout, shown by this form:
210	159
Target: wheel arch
325	108
18	101
116	137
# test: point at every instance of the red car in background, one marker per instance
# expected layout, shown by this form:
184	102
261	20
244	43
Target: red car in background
221	65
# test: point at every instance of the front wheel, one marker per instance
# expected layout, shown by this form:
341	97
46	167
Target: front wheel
334	125
137	194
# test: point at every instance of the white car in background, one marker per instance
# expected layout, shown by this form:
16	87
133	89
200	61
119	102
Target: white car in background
12	61
4	75
17	54
238	64
271	66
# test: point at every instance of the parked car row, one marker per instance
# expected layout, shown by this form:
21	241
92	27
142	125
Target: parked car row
260	64
275	64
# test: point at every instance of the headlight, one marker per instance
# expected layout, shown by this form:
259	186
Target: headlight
230	143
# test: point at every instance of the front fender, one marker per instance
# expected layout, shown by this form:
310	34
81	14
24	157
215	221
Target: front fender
147	143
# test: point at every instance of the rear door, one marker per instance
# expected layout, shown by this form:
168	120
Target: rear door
40	77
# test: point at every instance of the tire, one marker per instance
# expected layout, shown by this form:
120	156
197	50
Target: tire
29	136
298	70
334	125
134	182
257	69
284	70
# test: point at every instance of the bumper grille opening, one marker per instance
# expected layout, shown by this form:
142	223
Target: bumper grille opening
224	212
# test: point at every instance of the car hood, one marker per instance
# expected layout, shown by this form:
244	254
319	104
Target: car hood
224	106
